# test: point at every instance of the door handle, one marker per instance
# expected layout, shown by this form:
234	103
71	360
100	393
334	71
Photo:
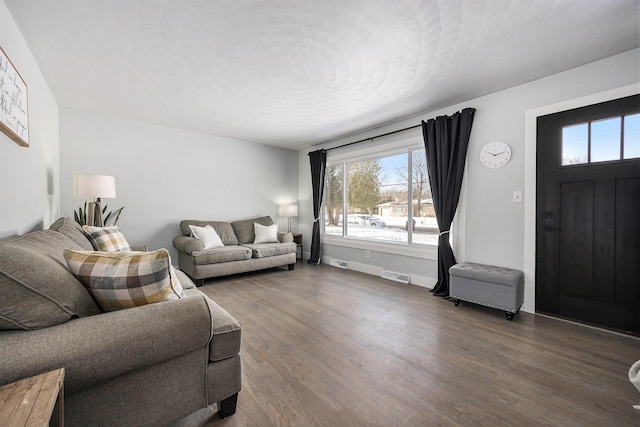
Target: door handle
547	228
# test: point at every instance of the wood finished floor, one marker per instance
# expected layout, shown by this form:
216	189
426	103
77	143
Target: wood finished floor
330	347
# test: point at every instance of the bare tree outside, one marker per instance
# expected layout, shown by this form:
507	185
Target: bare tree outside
420	181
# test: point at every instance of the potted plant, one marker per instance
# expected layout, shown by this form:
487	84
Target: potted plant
80	216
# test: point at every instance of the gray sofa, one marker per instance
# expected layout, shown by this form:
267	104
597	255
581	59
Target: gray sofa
238	255
145	366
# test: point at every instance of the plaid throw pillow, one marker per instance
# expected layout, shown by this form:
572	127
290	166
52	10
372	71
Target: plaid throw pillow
120	280
106	239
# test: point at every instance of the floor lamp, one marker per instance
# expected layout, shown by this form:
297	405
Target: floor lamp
95	187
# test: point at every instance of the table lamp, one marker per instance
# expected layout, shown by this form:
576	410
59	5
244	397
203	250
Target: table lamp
95	187
288	211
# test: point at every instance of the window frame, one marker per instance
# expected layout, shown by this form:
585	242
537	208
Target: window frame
590	142
416	250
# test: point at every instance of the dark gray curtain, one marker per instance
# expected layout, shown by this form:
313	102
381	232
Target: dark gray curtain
318	161
446	140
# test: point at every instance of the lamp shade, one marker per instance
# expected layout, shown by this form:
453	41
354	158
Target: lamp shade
288	210
95	186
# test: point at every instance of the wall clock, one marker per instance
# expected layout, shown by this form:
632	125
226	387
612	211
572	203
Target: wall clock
495	154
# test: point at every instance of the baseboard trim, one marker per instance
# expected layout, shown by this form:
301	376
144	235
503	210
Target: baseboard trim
365	268
416	279
423	281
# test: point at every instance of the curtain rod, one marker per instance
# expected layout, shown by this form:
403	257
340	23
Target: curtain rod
373	137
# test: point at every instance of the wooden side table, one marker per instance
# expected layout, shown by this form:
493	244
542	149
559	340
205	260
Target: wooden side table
32	401
297	239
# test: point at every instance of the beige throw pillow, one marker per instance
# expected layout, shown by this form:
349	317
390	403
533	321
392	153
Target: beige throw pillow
107	239
118	280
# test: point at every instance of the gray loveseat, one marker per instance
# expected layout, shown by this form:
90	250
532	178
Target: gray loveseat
145	366
238	255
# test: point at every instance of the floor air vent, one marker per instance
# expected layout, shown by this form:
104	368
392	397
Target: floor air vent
396	277
339	263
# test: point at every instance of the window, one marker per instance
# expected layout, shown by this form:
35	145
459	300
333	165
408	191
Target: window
383	198
632	136
611	139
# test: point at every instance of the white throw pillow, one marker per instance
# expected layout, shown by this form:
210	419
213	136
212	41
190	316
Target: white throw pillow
207	235
266	233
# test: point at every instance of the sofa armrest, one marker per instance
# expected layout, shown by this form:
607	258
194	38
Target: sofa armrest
97	348
226	333
187	244
285	237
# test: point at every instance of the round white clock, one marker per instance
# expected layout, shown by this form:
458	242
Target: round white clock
495	154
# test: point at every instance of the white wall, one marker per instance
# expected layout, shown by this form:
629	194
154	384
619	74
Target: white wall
29	177
491	227
164	175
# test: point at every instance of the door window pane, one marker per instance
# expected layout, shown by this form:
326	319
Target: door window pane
632	136
605	140
575	144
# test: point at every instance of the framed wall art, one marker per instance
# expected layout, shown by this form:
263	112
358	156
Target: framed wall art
14	112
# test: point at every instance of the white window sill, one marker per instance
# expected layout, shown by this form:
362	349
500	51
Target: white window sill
414	251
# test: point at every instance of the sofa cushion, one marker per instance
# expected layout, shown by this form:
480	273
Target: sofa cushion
74	231
223	229
245	231
120	280
107	239
266	233
264	250
207	235
36	288
185	281
223	254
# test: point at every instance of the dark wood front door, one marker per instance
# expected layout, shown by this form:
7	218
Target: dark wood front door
588	214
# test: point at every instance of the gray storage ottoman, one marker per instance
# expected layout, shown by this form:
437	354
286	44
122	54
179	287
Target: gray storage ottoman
496	287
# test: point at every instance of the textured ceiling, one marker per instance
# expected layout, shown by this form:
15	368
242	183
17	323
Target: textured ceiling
298	72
